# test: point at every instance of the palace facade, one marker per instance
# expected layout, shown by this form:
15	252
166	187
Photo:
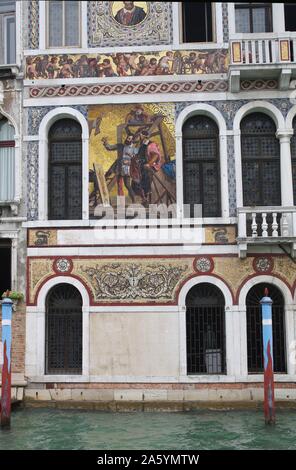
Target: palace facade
155	164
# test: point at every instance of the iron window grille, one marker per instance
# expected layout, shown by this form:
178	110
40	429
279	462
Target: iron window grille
63	348
205	330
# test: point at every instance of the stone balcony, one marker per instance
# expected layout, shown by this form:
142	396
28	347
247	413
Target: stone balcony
262	56
267	226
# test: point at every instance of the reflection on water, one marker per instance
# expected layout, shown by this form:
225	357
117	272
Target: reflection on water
200	430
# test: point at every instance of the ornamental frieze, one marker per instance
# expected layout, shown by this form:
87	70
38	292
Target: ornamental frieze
157	280
138	281
123	64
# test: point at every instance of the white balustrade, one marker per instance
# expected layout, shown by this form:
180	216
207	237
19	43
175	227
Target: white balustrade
264	223
262	50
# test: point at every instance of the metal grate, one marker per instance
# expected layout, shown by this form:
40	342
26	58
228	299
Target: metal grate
65	170
205	330
254	329
260	161
201	165
64	331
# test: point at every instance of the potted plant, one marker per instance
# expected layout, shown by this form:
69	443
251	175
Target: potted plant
14	296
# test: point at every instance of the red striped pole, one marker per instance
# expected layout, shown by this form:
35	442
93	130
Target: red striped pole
6	369
269	408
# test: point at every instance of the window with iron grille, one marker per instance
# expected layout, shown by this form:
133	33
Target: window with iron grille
260	161
201	165
293	155
205	330
254	329
63	349
65	170
253	17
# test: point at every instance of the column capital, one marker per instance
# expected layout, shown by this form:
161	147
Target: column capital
284	133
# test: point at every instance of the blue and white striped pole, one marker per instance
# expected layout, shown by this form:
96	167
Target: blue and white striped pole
6	369
269	409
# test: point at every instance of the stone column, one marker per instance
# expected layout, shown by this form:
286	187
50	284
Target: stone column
284	136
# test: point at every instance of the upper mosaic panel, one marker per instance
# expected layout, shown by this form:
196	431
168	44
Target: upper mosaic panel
129	23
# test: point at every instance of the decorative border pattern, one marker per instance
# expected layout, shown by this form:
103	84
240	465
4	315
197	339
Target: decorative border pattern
225	22
247	85
129	89
33	24
32	181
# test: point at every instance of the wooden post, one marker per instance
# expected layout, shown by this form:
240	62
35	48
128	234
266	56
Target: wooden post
269	409
6	369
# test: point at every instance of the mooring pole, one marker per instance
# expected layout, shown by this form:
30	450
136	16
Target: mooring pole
269	410
6	369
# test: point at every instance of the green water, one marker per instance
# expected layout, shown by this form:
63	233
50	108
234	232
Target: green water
200	430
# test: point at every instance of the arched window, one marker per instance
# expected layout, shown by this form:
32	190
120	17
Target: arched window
201	165
293	155
7	160
260	161
65	170
205	330
63	354
254	329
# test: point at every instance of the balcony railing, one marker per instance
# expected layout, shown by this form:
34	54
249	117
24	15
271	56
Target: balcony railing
267	225
264	49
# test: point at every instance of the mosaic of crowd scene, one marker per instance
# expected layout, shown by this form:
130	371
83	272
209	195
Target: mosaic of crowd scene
123	64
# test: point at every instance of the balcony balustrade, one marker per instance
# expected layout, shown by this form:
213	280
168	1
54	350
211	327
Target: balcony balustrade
265	56
266	225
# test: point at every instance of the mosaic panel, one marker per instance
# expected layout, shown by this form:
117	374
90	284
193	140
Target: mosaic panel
148	23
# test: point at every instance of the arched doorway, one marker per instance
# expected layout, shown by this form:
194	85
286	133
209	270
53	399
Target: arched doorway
254	329
63	347
205	330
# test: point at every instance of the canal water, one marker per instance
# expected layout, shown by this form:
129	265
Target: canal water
48	429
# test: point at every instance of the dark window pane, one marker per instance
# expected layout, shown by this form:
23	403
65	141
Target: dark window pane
260	161
201	165
197	22
290	16
65	170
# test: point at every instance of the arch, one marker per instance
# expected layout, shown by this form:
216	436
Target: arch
206	279
203	109
243	292
205	330
289	118
262	107
48	285
12	122
211	112
49	119
36	342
